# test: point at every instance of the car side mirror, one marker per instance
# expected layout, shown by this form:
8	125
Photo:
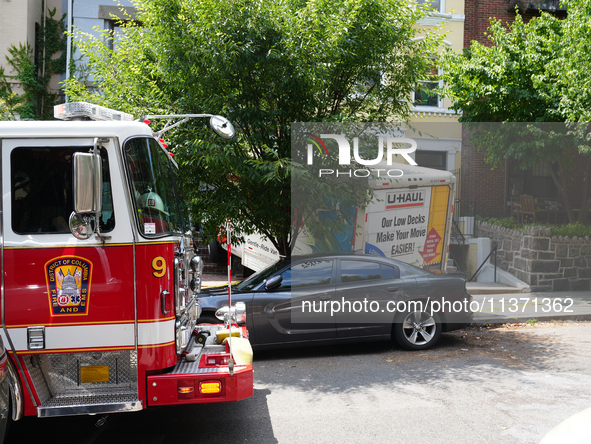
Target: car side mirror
273	283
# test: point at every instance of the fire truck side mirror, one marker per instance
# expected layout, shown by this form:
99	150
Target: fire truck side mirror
222	127
81	226
87	183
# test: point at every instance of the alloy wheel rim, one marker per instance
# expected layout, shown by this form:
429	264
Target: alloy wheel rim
419	328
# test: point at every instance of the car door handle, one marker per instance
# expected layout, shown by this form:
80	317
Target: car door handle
325	297
393	289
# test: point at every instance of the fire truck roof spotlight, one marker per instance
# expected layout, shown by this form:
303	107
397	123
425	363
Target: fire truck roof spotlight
88	111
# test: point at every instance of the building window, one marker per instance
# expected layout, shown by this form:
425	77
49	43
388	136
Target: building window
424	95
36	55
115	17
115	29
535	181
434	5
431	159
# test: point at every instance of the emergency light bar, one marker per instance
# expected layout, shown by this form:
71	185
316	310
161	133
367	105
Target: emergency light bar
84	111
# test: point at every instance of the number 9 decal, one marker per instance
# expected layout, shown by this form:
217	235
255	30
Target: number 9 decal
159	266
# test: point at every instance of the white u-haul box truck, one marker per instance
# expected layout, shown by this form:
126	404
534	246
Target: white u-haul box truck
409	218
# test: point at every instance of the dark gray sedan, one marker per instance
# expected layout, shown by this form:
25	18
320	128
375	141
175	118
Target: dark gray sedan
339	298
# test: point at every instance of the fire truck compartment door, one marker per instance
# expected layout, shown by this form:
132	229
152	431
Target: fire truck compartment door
81	291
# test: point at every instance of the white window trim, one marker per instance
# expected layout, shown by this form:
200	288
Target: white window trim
441	7
439	101
445	145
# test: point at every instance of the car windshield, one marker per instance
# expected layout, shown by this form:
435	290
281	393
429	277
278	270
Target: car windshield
155	185
260	276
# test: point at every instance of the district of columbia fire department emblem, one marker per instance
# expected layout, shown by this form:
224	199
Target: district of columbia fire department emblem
68	285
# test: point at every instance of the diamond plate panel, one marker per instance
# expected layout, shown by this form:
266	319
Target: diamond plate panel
185	367
33	365
57	377
88	400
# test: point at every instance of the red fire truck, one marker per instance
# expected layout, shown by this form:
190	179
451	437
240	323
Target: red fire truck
99	275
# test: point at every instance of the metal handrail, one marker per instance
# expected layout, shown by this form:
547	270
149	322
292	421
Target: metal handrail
455	261
494	250
457	232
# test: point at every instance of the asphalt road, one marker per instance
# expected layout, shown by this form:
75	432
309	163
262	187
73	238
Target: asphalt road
483	385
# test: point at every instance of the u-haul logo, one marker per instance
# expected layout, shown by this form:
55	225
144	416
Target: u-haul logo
405	199
68	285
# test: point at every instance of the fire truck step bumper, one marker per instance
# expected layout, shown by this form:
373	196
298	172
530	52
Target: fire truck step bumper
189	384
68	406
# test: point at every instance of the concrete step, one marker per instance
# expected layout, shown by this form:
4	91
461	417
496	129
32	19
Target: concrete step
202	251
490	288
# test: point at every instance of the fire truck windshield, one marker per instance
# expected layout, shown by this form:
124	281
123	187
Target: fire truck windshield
154	185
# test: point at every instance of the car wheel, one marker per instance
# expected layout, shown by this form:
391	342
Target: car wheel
417	330
207	318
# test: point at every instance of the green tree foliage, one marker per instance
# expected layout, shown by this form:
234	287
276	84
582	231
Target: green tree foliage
523	77
499	83
264	64
37	101
8	99
572	68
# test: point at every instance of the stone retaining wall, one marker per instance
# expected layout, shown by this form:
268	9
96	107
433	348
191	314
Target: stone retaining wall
545	262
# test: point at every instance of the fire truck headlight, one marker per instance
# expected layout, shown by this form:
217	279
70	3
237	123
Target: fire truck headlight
197	264
221	313
195	285
237	311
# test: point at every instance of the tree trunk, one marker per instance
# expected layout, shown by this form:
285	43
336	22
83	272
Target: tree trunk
562	189
293	236
584	205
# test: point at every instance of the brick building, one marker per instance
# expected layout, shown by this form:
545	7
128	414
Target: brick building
492	189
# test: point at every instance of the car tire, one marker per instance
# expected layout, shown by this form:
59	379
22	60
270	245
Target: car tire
417	330
208	318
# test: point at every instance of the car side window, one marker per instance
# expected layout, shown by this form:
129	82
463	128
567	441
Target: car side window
390	272
411	271
353	271
286	280
311	273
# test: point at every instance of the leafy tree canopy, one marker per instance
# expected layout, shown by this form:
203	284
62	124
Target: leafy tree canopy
532	72
264	64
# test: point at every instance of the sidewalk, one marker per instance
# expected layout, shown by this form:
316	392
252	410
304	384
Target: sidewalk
475	288
523	307
216	279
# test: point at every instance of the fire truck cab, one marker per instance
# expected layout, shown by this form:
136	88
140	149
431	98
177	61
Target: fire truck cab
99	277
